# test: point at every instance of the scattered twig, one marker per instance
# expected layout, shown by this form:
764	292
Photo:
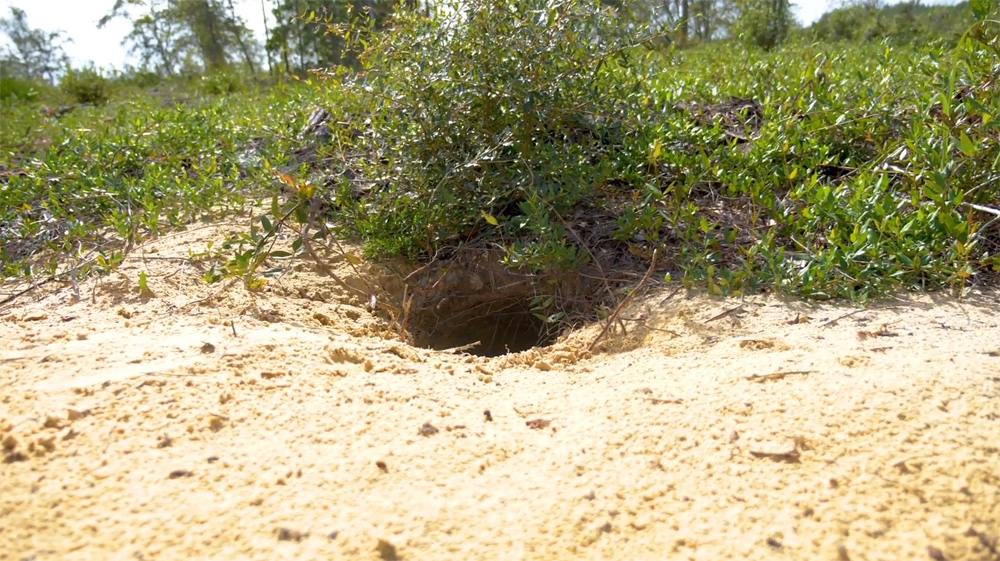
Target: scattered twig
174	374
776	376
643	321
15	358
224	288
404	316
671	295
981	208
463	348
847	315
657	401
790	456
326	270
107	439
988	210
728	312
611	319
17	295
167	258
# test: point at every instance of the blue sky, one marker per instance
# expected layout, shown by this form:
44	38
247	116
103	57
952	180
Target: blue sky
78	19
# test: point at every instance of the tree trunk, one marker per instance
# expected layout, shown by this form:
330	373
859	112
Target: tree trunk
238	35
161	48
267	38
301	38
685	21
215	54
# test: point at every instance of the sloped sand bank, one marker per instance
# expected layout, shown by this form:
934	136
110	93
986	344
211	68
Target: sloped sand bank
201	423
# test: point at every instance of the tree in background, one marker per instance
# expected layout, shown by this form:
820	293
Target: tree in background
154	35
181	34
693	20
302	38
764	23
905	22
34	54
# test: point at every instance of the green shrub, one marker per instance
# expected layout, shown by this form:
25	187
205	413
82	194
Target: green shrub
99	181
139	78
17	89
764	23
222	82
816	169
806	169
467	131
903	23
86	85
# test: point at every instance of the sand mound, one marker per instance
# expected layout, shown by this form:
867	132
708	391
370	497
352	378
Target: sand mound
209	422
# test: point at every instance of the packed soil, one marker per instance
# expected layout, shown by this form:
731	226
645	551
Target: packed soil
206	421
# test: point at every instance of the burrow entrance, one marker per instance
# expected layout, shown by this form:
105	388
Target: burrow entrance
473	301
497	330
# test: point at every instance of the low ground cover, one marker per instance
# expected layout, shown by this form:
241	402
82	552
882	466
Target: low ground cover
567	167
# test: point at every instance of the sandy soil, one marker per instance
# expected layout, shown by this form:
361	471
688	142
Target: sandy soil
208	422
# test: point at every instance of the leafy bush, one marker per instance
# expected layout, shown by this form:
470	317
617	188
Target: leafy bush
220	82
87	186
466	132
810	170
137	77
818	170
17	89
86	85
903	23
764	23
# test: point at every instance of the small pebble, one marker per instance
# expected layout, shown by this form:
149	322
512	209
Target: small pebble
286	535
538	423
386	551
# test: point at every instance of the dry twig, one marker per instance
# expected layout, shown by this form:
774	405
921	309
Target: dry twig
611	319
847	315
776	376
728	312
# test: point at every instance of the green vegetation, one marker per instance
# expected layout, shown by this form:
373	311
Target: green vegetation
15	89
906	22
81	188
85	85
583	143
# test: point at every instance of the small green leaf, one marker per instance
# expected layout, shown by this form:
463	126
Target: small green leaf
981	8
212	276
490	218
967	146
144	284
